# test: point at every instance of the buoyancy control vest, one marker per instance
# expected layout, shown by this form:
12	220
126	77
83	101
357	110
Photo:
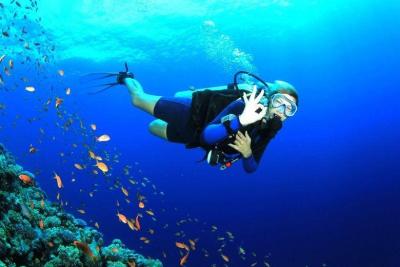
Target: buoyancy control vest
207	104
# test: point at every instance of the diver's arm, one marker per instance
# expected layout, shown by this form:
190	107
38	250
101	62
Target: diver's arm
188	93
250	164
215	131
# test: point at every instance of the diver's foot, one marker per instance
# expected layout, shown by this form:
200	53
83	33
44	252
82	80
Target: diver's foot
134	87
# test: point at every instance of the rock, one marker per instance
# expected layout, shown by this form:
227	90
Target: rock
24	243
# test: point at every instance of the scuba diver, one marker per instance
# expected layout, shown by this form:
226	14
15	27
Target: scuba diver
231	122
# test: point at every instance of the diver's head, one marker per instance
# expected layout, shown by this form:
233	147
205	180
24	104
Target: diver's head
282	100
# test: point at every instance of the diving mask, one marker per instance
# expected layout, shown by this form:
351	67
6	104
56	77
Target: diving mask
283	104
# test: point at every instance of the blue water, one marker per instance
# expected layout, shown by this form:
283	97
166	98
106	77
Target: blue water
327	190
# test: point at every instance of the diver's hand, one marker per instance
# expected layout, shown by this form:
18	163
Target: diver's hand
250	114
242	144
123	75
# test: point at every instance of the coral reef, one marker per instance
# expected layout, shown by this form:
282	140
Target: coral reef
37	232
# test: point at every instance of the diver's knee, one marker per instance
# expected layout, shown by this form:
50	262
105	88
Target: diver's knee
159	128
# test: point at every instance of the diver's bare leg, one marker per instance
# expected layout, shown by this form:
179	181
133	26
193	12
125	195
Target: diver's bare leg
159	128
139	98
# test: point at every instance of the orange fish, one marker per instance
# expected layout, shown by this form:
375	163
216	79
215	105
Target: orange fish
32	149
25	178
225	258
58	179
184	259
58	101
84	248
51	244
103	138
41	224
182	245
102	166
115	250
141	205
131	264
61	72
42	203
137	223
122	218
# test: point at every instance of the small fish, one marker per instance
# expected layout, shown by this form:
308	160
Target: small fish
131	224
192	244
182	245
2	58
92	155
42	203
41	224
102	166
151	213
115	250
93	126
61	72
84	248
122	218
131	264
81	211
225	258
137	223
124	191
58	179
32	149
183	260
7	72
6	34
68	91
103	138
30	89
11	64
26	179
97	225
58	101
78	166
141	205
